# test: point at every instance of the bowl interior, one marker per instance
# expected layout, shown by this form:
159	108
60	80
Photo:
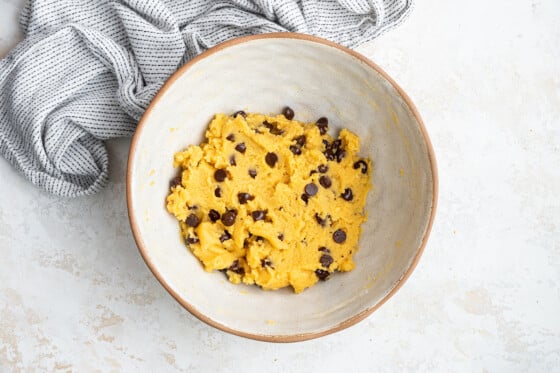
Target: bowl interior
315	79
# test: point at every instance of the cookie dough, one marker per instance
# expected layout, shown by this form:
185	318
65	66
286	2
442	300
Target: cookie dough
270	200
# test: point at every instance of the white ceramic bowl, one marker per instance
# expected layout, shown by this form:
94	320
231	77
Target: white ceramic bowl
316	78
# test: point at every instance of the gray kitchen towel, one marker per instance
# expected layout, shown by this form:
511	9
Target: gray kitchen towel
88	69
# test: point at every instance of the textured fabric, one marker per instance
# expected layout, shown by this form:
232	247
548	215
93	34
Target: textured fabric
87	69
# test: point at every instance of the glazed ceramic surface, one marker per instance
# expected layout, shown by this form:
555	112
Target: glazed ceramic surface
315	78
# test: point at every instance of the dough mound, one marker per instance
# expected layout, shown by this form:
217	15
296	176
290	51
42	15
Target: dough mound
271	201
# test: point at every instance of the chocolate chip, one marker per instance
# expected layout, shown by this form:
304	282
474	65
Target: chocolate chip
271	159
192	240
326	260
322	120
325	181
241	147
232	160
258	215
266	262
339	236
259	239
300	140
347	195
330	155
334	151
244	197
236	268
220	175
322	274
288	113
295	149
281	237
311	189
340	154
324	250
192	220
218	192
253	173
323	124
214	215
228	218
305	198
323	168
225	236
231	137
240	112
273	128
322	222
361	163
175	181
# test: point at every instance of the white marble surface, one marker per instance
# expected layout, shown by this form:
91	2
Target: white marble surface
76	296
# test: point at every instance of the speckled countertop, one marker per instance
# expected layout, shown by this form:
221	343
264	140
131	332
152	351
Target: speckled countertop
75	294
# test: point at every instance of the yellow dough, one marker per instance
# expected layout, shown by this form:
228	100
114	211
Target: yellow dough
254	200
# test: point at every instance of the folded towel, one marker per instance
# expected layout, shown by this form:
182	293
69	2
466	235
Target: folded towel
87	70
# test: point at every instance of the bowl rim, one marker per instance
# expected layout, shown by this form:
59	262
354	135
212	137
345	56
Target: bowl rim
189	307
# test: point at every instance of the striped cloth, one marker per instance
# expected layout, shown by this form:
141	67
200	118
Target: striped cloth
87	69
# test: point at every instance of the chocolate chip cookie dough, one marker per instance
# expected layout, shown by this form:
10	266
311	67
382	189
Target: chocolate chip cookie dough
270	200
